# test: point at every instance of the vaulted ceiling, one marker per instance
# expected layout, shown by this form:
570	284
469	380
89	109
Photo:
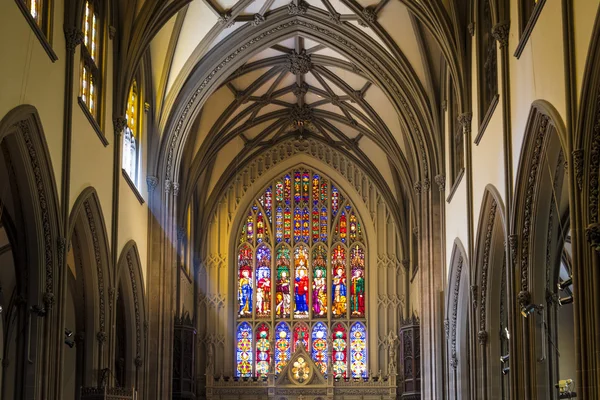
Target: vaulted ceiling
301	84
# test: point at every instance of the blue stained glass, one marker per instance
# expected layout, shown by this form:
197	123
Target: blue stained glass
319	346
282	346
358	350
244	350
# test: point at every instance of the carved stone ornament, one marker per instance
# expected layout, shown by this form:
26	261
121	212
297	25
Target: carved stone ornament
298	8
500	33
524	298
335	18
300	90
152	182
259	19
426	184
119	124
406	264
482	336
471	28
369	16
227	20
301	114
138	361
175	188
593	236
418	188
101	337
440	180
49	300
73	38
464	120
578	166
299	63
474	296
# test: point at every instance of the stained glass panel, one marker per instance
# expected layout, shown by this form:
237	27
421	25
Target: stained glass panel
339	290
250	227
245	281
315	189
358	350
305	226
300	336
263	282
279	191
319	346
339	351
287	184
324	224
357	284
297	225
355	229
319	286
287	225
315	225
263	350
282	289
335	201
260	227
282	346
268	202
297	187
301	282
305	187
244	350
279	225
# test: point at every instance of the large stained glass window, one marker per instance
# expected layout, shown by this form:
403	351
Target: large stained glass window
301	278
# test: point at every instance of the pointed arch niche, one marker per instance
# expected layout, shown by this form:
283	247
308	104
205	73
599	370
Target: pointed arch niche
232	250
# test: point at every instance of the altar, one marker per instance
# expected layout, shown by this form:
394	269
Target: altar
301	379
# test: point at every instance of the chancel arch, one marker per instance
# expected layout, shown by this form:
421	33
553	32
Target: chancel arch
384	296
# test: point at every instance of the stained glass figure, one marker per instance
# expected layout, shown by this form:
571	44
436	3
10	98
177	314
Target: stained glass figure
279	191
245	281
315	189
319	285
335	201
260	227
305	187
263	350
268	202
263	282
287	225
357	282
305	226
358	350
319	346
282	285
278	225
287	189
297	225
301	282
317	269
315	225
300	336
324	224
338	268
339	351
282	346
297	187
244	350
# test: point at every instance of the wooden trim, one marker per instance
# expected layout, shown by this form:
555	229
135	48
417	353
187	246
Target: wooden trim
486	118
42	37
134	188
92	121
455	185
526	33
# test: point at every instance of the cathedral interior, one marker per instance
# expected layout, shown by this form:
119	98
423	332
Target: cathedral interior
299	199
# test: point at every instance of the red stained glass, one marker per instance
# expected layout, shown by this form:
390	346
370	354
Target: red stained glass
287	225
300	336
297	225
297	187
335	201
315	225
279	225
287	189
319	285
260	227
301	285
250	228
263	282
324	191
315	189
305	187
305	226
283	284
268	202
339	351
279	191
245	288
282	346
244	350
324	224
263	350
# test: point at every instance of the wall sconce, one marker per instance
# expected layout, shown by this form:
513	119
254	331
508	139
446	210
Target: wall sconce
504	359
562	285
565	300
530	308
505	370
70	343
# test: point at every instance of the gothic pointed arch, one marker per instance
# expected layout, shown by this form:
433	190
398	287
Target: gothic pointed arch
88	251
131	320
457	324
490	301
31	200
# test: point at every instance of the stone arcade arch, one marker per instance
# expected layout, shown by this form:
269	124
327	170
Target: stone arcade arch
90	280
38	251
457	325
130	326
